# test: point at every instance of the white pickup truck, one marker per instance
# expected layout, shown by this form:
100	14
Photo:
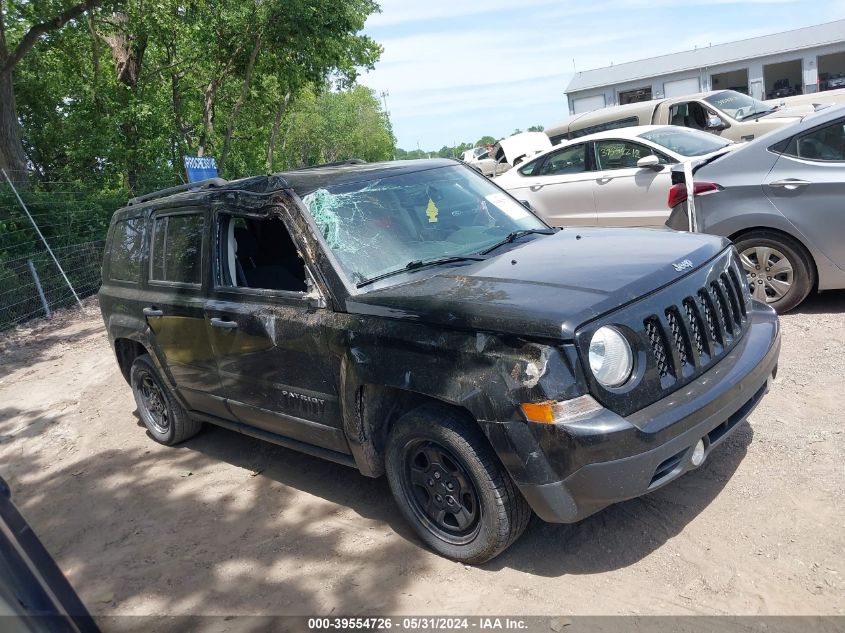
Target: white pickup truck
727	113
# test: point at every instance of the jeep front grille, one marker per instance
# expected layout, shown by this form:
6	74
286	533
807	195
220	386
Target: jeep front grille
680	335
695	326
658	346
681	331
687	346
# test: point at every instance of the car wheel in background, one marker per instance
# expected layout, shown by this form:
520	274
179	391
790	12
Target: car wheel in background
778	269
165	419
450	486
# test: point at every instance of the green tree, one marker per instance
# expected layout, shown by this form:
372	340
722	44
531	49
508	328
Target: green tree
126	93
328	126
536	128
22	26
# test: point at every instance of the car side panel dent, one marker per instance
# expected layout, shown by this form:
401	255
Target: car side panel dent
388	366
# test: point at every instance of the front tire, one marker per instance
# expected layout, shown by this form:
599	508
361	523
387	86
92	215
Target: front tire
778	269
166	420
450	486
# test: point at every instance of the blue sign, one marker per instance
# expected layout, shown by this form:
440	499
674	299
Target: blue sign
200	168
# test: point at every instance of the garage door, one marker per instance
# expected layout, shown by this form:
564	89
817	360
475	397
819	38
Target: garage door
587	104
681	87
832	71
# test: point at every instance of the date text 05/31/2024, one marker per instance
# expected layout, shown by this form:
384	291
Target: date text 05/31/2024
427	623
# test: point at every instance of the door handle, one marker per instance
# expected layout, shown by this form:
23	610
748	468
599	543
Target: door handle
789	183
223	324
152	312
604	178
535	187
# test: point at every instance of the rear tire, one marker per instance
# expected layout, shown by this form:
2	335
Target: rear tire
167	421
450	486
779	269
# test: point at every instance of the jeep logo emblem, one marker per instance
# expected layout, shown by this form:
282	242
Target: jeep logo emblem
682	265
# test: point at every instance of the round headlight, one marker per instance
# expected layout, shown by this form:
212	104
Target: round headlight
611	359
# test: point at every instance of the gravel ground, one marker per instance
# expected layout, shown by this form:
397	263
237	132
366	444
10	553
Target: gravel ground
225	524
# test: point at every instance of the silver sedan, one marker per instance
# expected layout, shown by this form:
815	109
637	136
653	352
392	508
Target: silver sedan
781	199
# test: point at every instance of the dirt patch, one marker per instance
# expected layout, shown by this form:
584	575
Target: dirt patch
225	524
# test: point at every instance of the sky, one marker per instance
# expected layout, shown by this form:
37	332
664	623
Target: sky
457	70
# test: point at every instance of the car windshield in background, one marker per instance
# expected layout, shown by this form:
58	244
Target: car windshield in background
381	226
739	106
686	142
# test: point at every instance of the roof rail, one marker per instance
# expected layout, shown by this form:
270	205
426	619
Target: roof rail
210	183
337	163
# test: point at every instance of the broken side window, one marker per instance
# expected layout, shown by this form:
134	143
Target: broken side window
258	253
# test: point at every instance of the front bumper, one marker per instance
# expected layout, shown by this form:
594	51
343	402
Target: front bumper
568	472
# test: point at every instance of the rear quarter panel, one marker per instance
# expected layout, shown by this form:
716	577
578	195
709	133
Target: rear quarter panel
743	206
121	303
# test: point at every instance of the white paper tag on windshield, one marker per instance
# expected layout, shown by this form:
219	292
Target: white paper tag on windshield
512	208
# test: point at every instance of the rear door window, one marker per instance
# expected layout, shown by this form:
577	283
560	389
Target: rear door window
177	248
127	249
824	143
569	160
532	168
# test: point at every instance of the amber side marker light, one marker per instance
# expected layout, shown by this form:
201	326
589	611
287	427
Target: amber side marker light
560	411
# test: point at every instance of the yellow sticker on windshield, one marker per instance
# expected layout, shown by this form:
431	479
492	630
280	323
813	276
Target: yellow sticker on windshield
431	211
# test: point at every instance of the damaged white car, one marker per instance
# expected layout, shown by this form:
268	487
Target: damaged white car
506	153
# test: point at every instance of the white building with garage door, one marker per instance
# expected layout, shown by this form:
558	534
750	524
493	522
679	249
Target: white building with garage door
794	62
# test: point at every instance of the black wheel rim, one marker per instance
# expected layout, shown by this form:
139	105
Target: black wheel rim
155	406
441	492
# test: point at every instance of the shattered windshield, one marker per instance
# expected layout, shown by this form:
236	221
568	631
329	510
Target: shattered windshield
382	225
738	106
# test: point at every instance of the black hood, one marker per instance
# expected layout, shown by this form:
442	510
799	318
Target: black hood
548	286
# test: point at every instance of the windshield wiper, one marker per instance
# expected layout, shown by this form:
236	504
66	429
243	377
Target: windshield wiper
757	114
515	235
416	264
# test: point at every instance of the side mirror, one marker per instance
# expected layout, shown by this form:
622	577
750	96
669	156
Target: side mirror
526	204
650	162
715	123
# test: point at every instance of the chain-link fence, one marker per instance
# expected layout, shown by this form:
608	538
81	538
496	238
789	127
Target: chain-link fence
73	219
31	286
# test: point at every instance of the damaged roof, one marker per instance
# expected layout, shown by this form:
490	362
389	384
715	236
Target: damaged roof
309	179
301	181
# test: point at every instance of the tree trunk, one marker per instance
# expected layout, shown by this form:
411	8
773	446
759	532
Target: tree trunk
12	157
274	131
128	55
181	130
207	136
236	109
206	141
95	59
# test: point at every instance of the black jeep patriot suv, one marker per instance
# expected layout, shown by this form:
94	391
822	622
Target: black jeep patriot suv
412	319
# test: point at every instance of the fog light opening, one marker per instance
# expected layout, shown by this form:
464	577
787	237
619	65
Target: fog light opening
697	457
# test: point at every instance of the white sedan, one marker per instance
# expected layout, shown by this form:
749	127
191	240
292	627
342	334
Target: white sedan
614	178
